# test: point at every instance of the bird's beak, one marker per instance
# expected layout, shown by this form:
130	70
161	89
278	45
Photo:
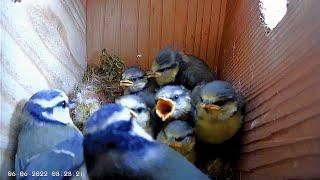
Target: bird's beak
165	108
133	114
72	104
175	145
210	106
126	83
153	74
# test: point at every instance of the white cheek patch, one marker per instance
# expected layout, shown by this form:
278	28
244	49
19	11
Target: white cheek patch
59	114
142	119
127	102
136	130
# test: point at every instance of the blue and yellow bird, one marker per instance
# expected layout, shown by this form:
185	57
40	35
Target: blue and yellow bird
179	135
173	102
172	67
116	147
48	141
135	81
140	110
218	112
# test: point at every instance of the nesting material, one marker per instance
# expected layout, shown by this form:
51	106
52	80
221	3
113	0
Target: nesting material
99	85
87	102
106	78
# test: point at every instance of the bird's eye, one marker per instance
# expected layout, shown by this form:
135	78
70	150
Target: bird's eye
179	139
139	110
201	99
62	104
176	97
221	103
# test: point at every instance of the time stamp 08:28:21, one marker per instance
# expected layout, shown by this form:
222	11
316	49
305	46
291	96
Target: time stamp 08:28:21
45	174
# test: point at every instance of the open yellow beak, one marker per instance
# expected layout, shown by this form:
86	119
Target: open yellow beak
126	83
210	106
165	108
153	74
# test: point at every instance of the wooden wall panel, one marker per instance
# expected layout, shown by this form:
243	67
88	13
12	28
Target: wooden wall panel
146	26
278	73
42	46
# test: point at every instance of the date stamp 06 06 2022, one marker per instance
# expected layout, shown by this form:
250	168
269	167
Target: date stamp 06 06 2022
45	173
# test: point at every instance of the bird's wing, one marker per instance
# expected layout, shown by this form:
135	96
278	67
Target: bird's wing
64	156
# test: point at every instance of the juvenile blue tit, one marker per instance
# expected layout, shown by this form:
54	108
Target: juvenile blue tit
218	115
171	67
173	102
116	147
48	141
179	135
134	81
140	109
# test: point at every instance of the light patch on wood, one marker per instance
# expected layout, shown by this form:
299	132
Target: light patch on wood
42	46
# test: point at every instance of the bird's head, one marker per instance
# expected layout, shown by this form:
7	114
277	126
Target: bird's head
179	135
49	106
165	67
133	79
173	102
218	98
112	128
138	106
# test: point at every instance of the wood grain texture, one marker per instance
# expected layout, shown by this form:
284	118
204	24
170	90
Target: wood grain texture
146	26
43	46
278	73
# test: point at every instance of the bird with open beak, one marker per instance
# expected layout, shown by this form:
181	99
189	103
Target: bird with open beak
173	102
218	115
179	135
134	81
172	67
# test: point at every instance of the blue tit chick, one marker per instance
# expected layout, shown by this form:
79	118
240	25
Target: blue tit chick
172	67
134	81
179	135
48	141
173	102
116	147
139	107
218	115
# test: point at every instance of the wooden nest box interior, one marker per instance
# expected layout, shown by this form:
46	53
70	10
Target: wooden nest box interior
48	44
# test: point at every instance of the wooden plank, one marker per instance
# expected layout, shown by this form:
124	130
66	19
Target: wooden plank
168	22
278	74
180	24
112	26
191	25
205	29
95	29
144	33
220	25
197	40
155	29
213	34
129	31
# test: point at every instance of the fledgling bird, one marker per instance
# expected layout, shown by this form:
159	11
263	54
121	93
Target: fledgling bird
173	102
116	147
139	107
179	135
172	67
48	141
218	115
134	81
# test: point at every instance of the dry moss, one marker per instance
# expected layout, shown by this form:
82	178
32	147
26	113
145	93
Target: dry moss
106	78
